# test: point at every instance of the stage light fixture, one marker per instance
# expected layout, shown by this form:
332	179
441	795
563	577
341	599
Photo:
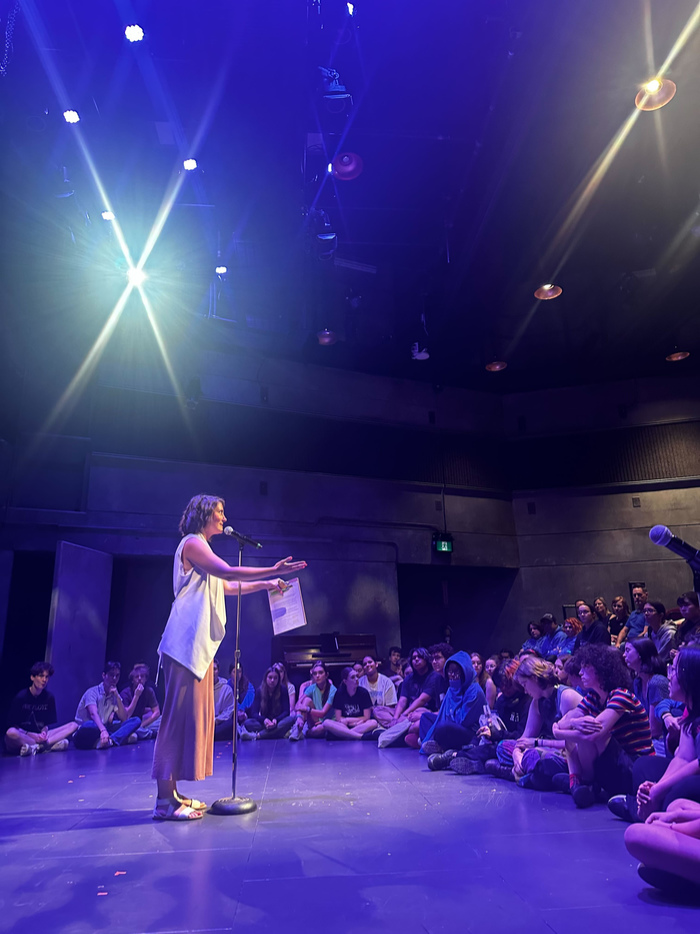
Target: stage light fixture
496	366
350	8
71	116
327	244
221	270
656	93
347	166
136	277
326	337
336	96
107	216
548	291
418	352
330	168
189	165
134	33
677	356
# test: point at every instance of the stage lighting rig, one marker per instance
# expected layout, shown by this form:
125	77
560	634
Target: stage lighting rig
336	97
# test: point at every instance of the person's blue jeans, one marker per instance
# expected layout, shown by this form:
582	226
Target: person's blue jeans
279	732
87	736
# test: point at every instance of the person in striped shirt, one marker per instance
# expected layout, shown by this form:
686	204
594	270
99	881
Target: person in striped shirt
607	731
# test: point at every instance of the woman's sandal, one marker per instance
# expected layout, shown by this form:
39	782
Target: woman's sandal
191	802
167	809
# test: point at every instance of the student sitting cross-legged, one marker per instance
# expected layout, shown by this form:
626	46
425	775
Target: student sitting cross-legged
457	721
607	731
352	708
33	715
269	716
101	714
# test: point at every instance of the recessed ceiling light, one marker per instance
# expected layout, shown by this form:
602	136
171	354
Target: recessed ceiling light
496	366
677	356
656	93
547	291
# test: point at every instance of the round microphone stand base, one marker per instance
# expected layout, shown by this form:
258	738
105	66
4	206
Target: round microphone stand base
227	807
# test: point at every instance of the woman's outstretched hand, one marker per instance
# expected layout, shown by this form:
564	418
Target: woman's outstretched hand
289	566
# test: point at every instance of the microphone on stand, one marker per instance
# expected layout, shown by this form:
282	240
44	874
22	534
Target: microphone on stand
242	539
661	535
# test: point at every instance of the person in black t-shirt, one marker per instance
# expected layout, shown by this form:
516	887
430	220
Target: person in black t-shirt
32	712
594	631
352	706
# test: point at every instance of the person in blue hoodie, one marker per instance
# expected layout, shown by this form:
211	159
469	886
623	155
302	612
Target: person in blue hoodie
457	721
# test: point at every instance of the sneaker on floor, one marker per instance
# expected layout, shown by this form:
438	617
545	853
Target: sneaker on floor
561	783
247	735
295	734
59	746
624	807
430	747
28	750
583	795
462	765
439	761
130	740
669	882
495	768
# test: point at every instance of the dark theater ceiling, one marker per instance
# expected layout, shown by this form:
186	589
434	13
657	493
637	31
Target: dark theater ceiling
500	150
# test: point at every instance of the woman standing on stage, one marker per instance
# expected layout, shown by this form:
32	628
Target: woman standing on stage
197	623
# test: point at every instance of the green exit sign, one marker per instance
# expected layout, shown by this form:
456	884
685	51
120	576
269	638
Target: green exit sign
443	543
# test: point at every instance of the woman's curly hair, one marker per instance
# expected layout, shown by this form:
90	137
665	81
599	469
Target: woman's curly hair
608	664
198	512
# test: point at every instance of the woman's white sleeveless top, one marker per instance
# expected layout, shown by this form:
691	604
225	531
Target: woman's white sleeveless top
197	621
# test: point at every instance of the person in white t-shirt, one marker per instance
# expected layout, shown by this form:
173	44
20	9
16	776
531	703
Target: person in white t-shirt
381	691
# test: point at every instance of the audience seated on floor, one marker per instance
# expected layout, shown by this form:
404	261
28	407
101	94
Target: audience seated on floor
649	681
635	627
607	731
223	706
571	628
603	613
549	702
534	634
483	678
421	692
690	613
315	705
246	691
269	717
491	664
352	709
560	669
286	684
621	613
381	690
101	716
668	847
32	718
393	668
552	639
456	722
660	630
439	653
140	701
593	632
657	781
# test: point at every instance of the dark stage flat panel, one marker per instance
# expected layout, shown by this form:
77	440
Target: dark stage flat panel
347	838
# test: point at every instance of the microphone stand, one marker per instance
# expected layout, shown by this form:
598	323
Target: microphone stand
235	805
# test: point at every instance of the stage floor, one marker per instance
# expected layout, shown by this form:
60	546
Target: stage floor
346	838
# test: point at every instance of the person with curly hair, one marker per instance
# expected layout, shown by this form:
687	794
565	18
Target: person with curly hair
607	731
196	625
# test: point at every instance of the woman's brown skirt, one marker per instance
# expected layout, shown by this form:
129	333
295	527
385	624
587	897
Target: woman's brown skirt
185	744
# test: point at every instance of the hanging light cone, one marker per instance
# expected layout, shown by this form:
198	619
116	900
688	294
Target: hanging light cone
496	366
326	337
677	356
656	93
347	166
547	291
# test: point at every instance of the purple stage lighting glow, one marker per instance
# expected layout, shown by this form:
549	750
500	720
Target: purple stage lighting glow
189	165
134	33
136	277
71	116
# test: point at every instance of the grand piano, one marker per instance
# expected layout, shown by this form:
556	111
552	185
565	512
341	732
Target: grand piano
335	649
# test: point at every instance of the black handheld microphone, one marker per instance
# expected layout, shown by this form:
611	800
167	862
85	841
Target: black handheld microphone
242	539
660	535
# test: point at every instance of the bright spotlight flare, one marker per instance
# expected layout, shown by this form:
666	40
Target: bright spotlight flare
548	291
655	94
661	535
134	33
189	165
136	277
242	539
71	116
